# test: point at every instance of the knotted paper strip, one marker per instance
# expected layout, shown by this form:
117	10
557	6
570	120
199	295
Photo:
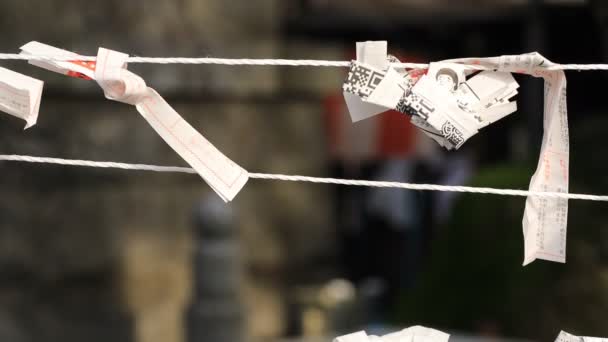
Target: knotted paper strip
20	96
366	74
451	108
545	219
222	174
565	337
413	334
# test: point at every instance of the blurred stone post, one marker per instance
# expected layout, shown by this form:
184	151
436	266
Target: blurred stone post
216	313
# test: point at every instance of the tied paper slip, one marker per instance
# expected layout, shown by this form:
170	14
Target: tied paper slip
382	89
545	219
371	87
412	334
442	102
221	173
224	176
20	96
451	109
565	337
73	65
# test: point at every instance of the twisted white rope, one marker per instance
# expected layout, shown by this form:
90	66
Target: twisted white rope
377	184
269	62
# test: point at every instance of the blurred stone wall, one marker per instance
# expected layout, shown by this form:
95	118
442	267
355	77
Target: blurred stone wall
100	255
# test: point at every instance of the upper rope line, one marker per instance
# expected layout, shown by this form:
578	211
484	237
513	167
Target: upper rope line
269	62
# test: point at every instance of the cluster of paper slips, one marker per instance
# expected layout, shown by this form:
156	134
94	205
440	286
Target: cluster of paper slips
449	102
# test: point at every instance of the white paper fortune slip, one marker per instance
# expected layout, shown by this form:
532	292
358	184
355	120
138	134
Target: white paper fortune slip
451	109
545	219
565	337
412	334
222	174
364	77
20	96
73	67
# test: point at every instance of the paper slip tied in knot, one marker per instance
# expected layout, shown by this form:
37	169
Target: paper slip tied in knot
222	174
451	108
372	86
448	102
118	83
412	334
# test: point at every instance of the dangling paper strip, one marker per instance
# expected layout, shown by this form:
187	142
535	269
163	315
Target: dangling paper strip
222	174
20	96
545	219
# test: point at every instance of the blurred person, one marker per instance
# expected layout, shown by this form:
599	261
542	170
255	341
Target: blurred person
379	230
384	234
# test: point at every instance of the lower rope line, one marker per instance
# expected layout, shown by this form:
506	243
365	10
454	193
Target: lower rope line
295	178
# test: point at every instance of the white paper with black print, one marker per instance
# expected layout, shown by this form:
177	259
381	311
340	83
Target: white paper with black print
360	84
372	86
456	107
451	107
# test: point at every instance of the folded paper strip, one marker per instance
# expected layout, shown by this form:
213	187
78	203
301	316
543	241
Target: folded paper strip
20	96
224	176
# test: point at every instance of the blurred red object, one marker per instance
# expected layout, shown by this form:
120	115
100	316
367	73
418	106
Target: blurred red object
389	135
384	136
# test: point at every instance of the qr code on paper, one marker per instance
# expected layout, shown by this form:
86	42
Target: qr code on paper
361	80
415	105
452	134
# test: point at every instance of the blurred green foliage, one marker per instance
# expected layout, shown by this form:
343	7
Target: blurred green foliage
473	280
